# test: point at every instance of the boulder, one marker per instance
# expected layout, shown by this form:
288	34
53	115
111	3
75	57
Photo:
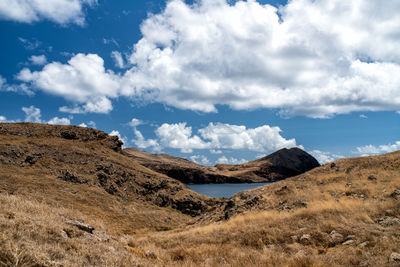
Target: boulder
336	237
305	239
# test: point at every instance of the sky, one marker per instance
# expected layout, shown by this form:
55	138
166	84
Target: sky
213	81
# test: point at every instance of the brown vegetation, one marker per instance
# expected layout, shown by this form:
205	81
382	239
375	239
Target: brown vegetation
55	212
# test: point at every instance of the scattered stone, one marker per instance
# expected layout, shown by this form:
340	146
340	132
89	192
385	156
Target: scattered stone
101	236
151	255
372	178
333	165
283	190
348	242
301	203
64	234
222	261
294	238
388	221
80	225
363	244
395	257
350	237
305	239
349	184
336	237
395	194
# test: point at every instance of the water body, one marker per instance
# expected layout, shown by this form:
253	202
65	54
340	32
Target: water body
222	190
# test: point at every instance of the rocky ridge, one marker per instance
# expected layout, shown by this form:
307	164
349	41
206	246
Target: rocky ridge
279	165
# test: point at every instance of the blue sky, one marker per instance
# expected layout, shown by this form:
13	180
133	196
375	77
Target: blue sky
212	81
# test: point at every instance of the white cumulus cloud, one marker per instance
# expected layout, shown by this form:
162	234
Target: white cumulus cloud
32	114
315	58
83	80
59	11
135	122
218	136
59	121
200	159
38	60
381	149
143	143
261	139
179	136
324	157
233	161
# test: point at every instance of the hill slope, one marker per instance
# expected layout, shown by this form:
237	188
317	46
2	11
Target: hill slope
56	210
279	165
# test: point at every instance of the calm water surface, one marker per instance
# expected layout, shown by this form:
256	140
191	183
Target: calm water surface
222	190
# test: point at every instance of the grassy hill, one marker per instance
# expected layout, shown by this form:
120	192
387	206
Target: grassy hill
68	197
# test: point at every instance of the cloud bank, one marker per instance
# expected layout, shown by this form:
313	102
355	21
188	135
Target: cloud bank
382	149
59	11
215	137
314	58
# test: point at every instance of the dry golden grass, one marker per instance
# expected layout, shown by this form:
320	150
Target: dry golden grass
269	237
264	229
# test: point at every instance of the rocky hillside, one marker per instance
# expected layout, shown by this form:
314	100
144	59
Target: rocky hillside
277	166
83	156
69	197
345	213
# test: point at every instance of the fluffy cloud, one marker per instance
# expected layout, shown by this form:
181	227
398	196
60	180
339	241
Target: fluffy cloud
20	88
179	136
313	58
83	80
59	121
118	60
135	122
59	11
32	114
233	161
143	143
91	124
382	149
200	159
324	157
38	60
3	119
218	136
260	139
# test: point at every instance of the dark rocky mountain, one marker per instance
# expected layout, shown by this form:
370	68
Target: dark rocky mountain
276	166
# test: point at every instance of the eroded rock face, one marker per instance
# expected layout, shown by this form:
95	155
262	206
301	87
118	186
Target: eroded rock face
277	166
